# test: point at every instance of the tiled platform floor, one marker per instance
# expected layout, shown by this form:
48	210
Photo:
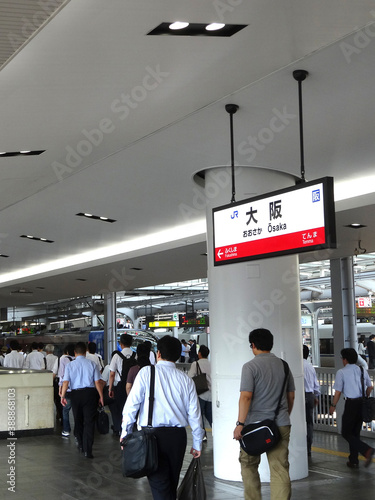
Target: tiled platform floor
50	468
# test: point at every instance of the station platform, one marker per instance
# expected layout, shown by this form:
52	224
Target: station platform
50	468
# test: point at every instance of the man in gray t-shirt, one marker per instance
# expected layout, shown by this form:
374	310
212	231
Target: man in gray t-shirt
261	384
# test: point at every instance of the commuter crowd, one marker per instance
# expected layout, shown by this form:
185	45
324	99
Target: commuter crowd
82	383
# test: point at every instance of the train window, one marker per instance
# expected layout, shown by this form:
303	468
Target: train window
326	346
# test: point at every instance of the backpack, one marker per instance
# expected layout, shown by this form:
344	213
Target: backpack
127	363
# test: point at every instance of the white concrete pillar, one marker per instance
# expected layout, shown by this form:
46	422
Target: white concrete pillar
110	325
243	296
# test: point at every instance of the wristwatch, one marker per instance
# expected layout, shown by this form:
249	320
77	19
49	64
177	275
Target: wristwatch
239	423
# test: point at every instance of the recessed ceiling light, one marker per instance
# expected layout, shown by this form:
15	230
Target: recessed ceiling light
35	238
355	225
197	29
95	217
22	153
178	25
214	26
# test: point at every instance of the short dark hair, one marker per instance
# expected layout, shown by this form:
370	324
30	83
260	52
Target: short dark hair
204	350
262	339
91	347
169	348
40	345
14	345
350	355
69	349
34	345
306	351
80	348
126	340
372	337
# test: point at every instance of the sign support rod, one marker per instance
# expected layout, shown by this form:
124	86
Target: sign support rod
231	109
300	75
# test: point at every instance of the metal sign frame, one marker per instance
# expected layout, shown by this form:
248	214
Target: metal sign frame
314	200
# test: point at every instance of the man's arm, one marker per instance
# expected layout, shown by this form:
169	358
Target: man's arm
336	398
369	390
64	388
290	398
112	374
243	409
99	388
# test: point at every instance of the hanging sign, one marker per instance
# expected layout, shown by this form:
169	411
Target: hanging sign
289	221
364	301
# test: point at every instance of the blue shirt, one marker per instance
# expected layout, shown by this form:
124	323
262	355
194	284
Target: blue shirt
348	381
81	373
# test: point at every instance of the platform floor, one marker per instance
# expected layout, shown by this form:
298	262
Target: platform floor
50	468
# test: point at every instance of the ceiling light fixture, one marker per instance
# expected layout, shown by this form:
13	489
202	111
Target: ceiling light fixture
355	225
3	255
35	238
95	217
197	29
5	154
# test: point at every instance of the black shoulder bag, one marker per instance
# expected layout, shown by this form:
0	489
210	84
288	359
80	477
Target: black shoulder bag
260	437
139	448
368	404
200	380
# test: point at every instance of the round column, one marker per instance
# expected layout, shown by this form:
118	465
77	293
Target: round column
243	296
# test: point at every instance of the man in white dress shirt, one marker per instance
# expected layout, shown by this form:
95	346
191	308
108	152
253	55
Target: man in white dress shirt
50	357
14	359
35	359
175	407
312	393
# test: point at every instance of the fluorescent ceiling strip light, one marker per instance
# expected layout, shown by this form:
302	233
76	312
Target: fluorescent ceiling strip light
166	236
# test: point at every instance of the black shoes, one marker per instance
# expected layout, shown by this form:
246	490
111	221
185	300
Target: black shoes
89	455
351	465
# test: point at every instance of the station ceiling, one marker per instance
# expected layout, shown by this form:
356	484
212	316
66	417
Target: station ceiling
120	121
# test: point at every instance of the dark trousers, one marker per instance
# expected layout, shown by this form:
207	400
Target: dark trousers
309	409
206	410
117	407
171	450
351	428
84	405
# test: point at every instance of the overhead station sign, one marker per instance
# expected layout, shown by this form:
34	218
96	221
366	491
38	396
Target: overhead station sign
292	220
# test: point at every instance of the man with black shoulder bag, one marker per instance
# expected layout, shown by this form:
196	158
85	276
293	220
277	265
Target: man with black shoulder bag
266	401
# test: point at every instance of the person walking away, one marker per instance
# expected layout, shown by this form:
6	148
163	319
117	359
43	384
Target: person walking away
371	351
143	359
261	383
83	376
348	382
50	357
66	358
14	359
35	359
119	367
175	407
205	399
312	393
